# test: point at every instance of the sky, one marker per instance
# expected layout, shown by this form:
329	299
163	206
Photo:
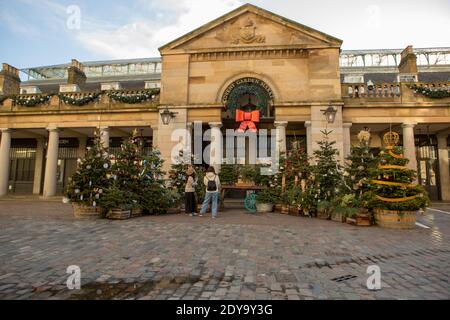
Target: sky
47	32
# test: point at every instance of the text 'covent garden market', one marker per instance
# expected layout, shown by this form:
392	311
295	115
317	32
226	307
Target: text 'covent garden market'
249	59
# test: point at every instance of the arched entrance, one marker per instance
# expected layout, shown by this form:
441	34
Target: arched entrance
247	95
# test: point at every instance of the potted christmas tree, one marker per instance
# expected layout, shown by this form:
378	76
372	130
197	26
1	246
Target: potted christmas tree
352	205
325	176
116	201
125	173
152	193
87	185
394	195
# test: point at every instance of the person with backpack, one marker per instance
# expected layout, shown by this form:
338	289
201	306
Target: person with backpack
189	191
212	184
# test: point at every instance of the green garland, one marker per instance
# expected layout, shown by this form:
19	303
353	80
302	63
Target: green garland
31	101
433	94
123	97
67	99
2	99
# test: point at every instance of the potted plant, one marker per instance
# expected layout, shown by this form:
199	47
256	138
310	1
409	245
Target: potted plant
265	200
324	210
86	186
395	196
117	202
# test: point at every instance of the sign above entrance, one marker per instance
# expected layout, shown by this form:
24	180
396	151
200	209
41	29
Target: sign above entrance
245	81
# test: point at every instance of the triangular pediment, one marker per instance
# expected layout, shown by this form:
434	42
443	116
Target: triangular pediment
251	26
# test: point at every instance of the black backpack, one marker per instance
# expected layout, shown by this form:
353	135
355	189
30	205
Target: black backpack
212	186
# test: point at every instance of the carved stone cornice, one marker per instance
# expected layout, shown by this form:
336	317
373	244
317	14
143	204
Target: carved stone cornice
250	54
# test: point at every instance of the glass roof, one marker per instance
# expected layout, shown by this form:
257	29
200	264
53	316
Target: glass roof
98	69
152	66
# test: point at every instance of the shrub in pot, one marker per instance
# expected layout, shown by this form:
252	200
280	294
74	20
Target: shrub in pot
265	200
117	202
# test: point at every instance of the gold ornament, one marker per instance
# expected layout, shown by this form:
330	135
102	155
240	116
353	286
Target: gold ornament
391	139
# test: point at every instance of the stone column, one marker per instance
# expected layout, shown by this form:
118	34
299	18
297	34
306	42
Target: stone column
51	164
409	145
444	166
280	127
82	143
188	142
346	138
309	147
39	161
154	137
5	159
104	136
216	145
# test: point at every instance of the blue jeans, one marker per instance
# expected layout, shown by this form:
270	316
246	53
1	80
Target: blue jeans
213	197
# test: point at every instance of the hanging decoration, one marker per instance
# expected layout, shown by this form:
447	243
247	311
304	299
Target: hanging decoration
133	98
79	101
31	101
433	93
247	120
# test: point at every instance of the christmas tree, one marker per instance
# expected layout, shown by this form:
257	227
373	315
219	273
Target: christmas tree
88	183
228	174
359	163
393	185
177	174
296	164
152	194
126	167
326	174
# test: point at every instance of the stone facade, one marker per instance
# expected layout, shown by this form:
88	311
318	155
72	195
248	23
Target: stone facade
298	68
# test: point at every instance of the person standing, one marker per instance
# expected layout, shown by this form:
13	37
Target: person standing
189	192
212	185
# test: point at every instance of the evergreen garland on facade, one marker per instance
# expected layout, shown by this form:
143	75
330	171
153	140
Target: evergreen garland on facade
79	101
2	99
143	96
31	101
437	93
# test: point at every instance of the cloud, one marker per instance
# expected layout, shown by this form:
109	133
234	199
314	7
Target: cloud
373	17
141	38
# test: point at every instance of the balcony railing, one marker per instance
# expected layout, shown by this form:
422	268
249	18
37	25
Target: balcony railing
361	90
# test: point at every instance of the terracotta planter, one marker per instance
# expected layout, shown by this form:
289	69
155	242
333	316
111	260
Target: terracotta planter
86	212
118	214
264	207
395	219
136	212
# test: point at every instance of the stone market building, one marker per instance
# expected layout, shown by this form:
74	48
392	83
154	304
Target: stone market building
288	71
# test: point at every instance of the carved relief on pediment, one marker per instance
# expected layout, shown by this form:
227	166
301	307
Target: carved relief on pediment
247	34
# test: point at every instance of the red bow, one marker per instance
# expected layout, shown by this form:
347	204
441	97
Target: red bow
247	120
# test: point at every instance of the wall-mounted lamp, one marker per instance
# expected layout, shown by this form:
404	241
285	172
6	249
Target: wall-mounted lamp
330	114
167	115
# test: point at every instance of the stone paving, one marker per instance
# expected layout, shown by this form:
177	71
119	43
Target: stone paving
237	256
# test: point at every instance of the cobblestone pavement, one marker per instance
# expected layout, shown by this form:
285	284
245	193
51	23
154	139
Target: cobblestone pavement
238	256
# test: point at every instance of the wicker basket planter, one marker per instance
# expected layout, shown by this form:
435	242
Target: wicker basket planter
395	219
277	207
136	212
119	214
86	212
284	209
294	211
338	216
264	207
